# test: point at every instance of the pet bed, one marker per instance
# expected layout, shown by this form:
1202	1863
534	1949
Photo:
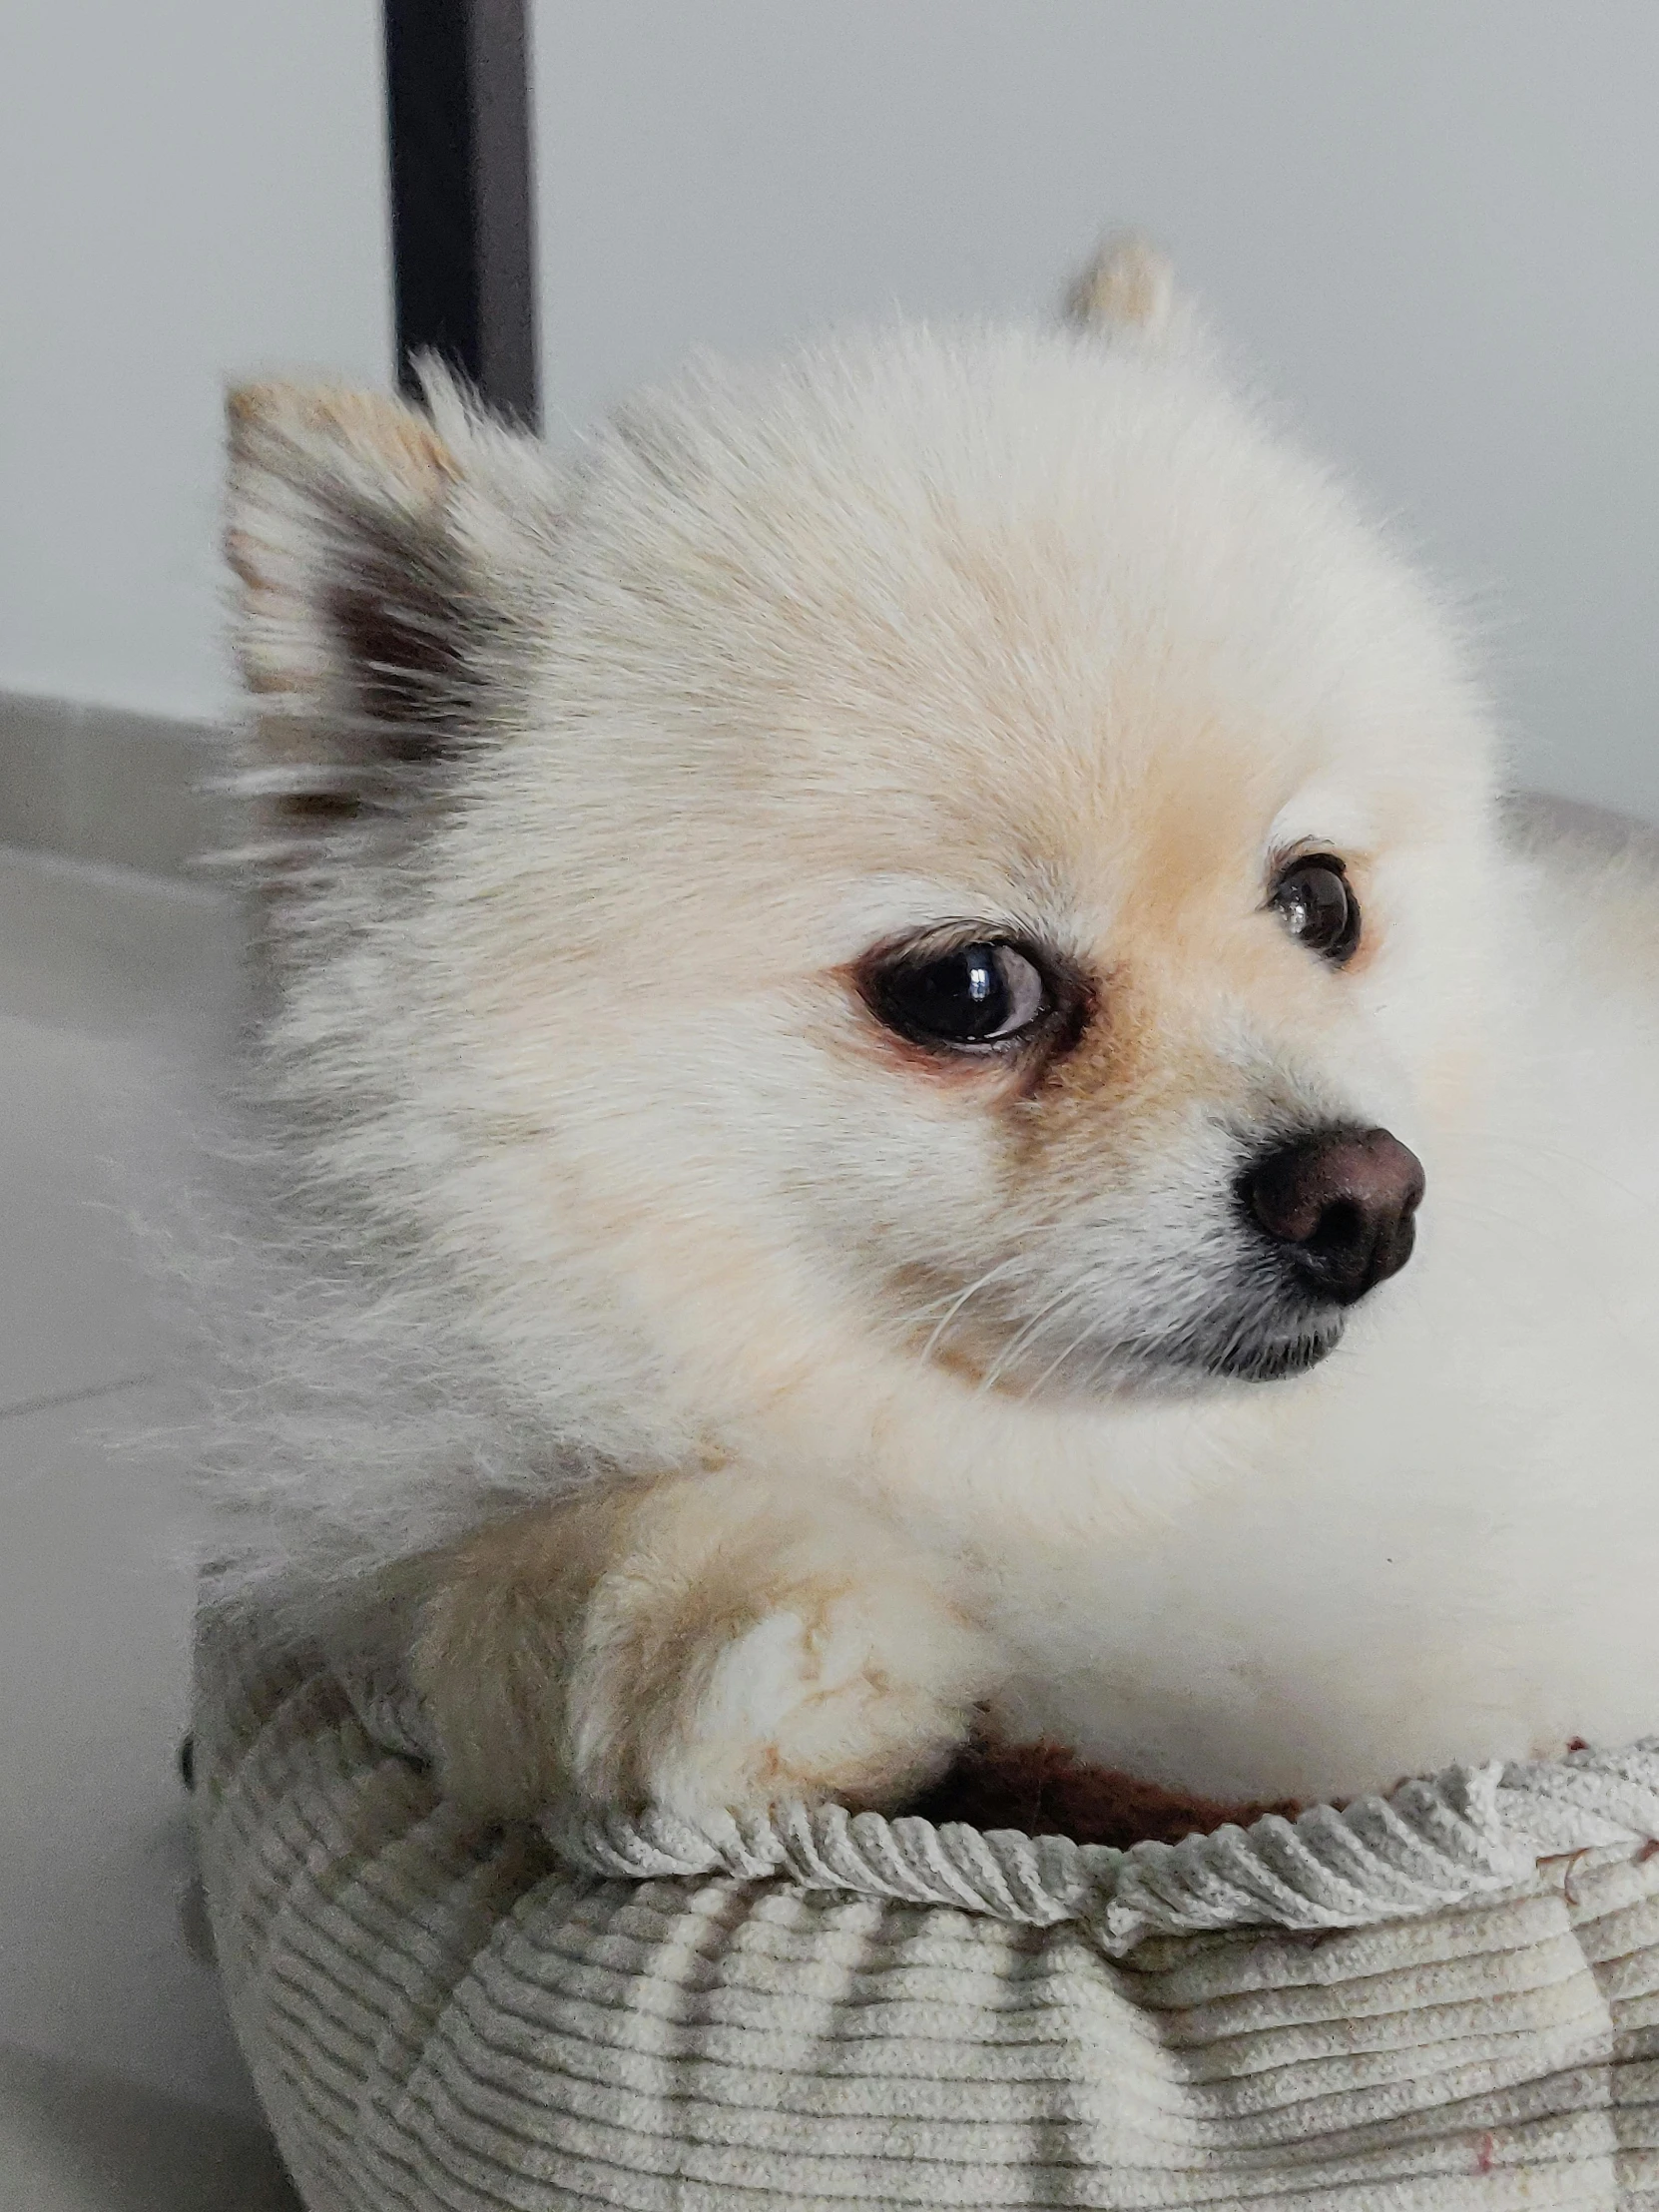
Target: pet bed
1448	1999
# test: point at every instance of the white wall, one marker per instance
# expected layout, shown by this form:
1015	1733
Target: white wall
187	188
1433	224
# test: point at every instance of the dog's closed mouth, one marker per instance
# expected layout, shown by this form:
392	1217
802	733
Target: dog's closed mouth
1273	1337
1273	1359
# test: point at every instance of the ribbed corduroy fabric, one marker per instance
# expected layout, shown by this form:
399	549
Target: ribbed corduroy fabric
440	2015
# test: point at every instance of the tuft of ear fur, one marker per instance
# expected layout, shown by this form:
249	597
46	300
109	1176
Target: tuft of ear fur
1127	288
357	616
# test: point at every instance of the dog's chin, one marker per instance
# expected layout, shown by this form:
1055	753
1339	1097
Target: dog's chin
1272	1359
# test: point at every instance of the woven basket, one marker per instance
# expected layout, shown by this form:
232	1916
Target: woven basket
1447	1999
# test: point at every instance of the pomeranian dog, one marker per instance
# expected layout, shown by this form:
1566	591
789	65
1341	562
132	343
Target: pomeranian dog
914	1084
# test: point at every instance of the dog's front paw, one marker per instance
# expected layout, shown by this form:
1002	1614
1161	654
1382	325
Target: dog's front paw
666	1648
860	1693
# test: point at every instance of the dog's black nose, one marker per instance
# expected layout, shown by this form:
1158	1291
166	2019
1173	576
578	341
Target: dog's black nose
1343	1204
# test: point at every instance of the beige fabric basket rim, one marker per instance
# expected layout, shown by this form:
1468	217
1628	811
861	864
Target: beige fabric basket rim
1435	1842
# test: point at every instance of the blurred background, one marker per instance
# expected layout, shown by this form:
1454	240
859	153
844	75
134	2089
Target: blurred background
1427	229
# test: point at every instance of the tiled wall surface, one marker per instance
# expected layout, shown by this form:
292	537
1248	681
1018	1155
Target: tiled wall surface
101	784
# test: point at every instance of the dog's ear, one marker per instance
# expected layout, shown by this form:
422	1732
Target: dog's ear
1126	289
365	612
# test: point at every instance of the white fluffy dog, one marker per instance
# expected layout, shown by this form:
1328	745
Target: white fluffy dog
869	978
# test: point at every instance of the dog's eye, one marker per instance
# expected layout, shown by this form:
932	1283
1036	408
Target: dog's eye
1318	907
978	995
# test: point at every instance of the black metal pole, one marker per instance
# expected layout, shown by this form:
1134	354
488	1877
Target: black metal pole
462	227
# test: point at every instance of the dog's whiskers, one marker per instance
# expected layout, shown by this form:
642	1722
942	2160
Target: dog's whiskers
1044	1313
1082	1337
961	1299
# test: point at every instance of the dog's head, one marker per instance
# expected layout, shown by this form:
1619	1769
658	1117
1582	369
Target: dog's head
955	851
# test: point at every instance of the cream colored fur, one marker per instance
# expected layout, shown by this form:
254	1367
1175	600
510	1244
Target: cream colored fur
724	1402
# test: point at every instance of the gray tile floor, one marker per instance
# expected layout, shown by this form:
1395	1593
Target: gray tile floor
120	2086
